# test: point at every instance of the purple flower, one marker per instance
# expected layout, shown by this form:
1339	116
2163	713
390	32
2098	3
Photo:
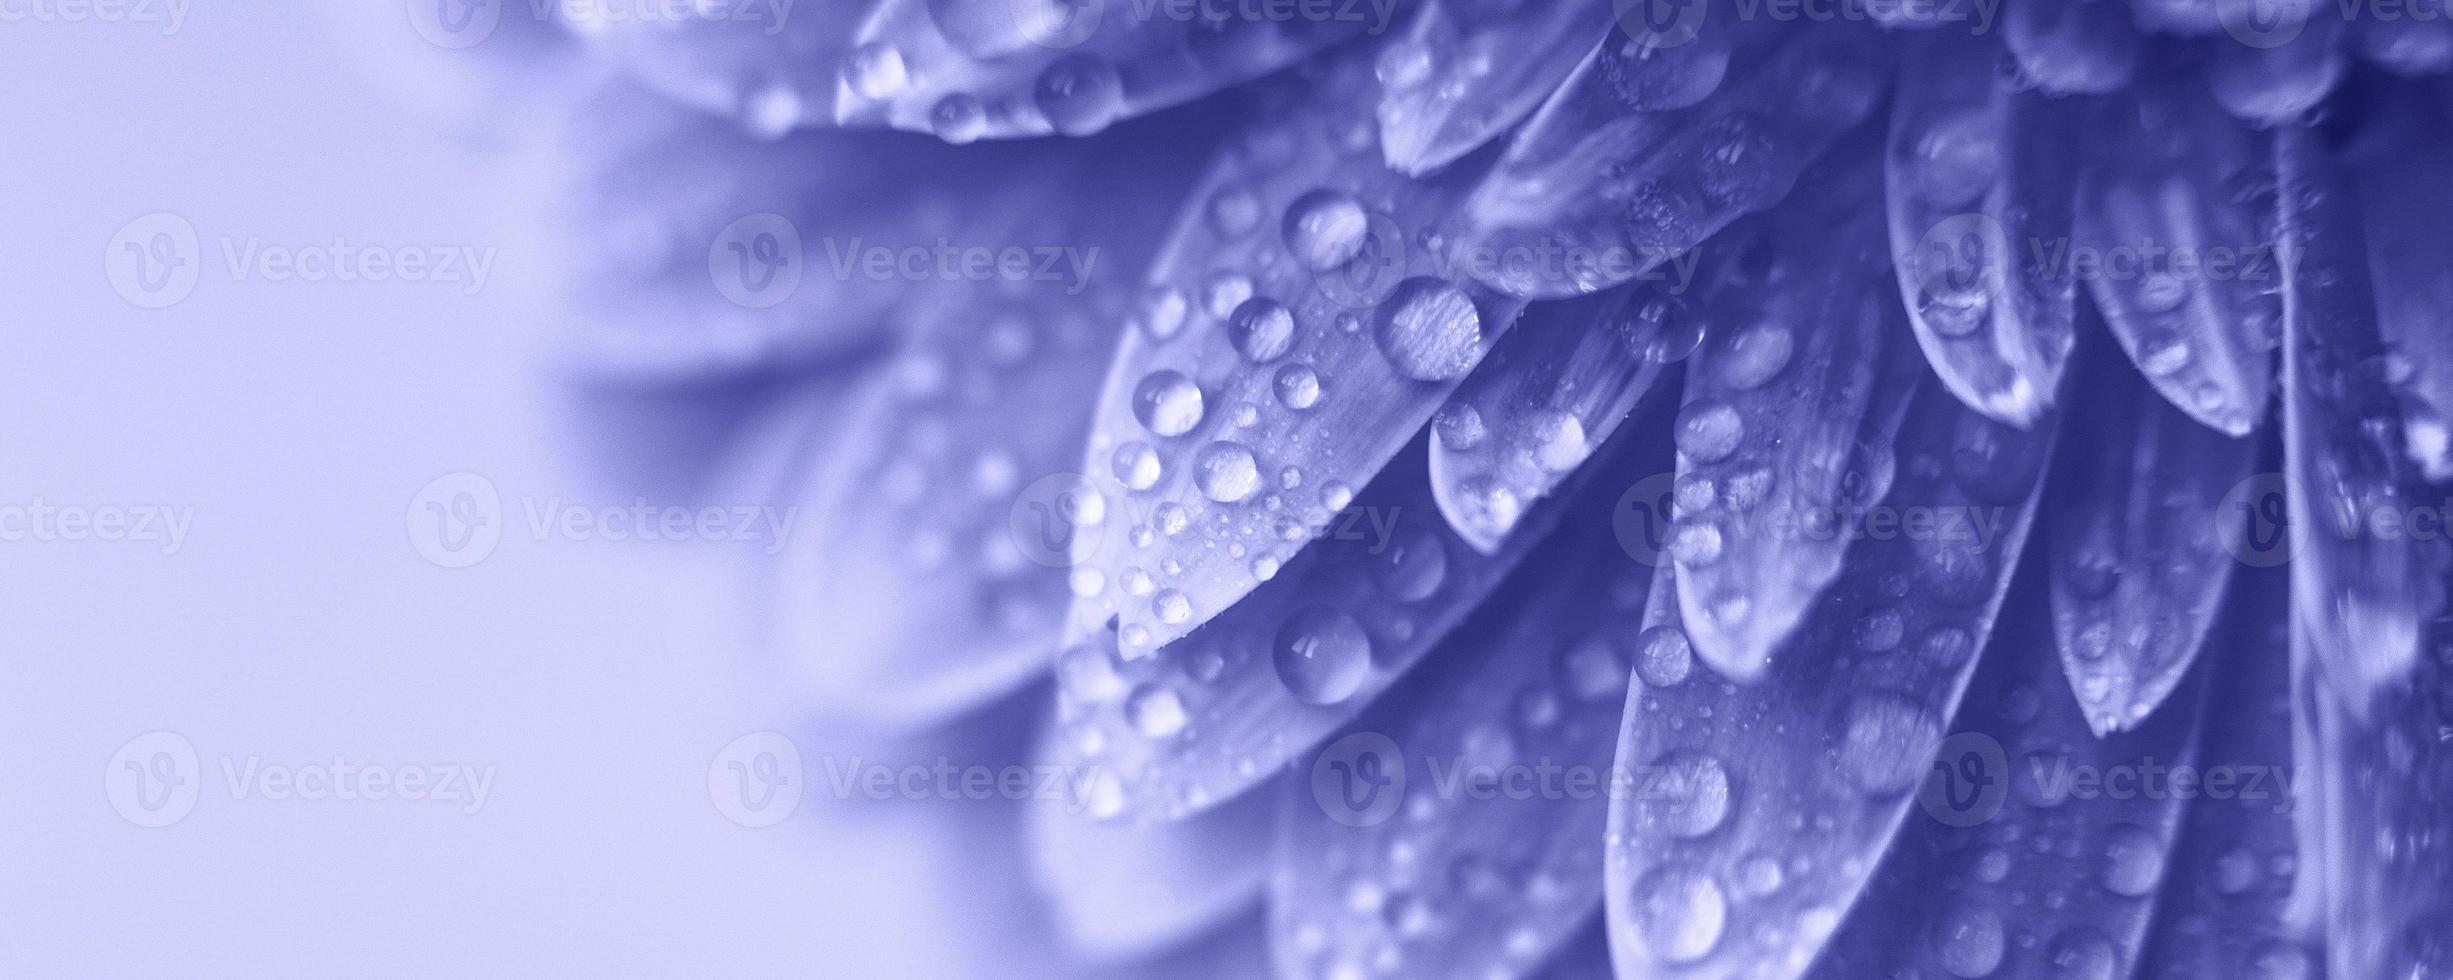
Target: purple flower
1859	489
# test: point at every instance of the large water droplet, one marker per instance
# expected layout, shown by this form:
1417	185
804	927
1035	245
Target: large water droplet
1971	942
1136	465
1680	914
1155	711
2133	861
1411	567
1429	330
1080	94
1322	655
1325	230
1262	329
1227	472
1709	430
1167	403
1685	794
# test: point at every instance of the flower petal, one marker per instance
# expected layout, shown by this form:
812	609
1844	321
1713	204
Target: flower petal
1976	171
2171	175
2362	597
933	573
1005	68
1836	735
1789	417
1590	195
770	65
2386	775
1292	340
2407	46
2015	868
1462	75
2138	557
1120	889
1488	857
2226	900
1209	715
2398	173
1533	411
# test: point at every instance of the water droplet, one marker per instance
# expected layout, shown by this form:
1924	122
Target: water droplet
1163	312
1136	465
1167	403
876	71
2081	953
1664	657
1971	942
958	118
1680	914
1411	567
1171	607
1459	426
1262	330
1080	94
1685	794
1885	743
1326	230
1957	159
1322	655
1227	472
1155	711
1234	212
1429	330
1755	356
1224	292
1298	387
2133	861
1558	440
1709	430
1592	671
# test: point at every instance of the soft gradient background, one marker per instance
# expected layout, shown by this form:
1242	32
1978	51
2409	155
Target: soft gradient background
298	623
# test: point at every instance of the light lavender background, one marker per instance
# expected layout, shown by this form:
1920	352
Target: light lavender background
298	623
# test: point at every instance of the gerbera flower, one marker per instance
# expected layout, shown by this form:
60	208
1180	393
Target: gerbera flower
1850	489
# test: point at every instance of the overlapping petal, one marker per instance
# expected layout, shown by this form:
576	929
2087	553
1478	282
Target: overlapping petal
2397	167
1464	72
1978	172
2141	540
1821	756
1120	889
768	65
1488	857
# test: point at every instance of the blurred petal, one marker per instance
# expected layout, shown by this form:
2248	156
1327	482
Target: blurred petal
2138	562
2361	595
2406	206
933	571
769	65
1462	74
2226	899
1555	388
1590	195
2183	17
2073	47
1586	956
1120	889
1493	857
973	69
1291	342
1822	755
1978	172
2387	777
2015	867
1208	716
2167	175
1789	416
2407	45
2278	62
